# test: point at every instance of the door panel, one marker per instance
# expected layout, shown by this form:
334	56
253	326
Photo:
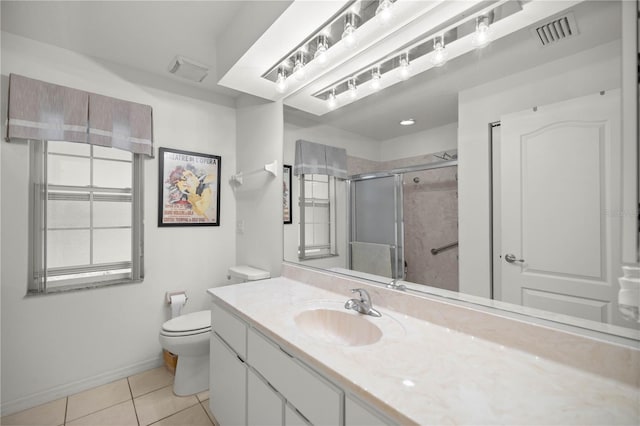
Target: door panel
560	181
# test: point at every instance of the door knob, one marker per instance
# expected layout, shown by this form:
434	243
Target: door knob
512	258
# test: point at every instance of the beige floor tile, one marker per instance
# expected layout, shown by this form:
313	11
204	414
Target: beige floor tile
203	396
150	380
122	414
97	399
193	416
160	404
49	414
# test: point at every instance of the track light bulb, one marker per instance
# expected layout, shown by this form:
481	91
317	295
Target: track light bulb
404	68
332	102
482	36
352	88
439	55
299	68
321	50
281	81
349	35
384	13
375	78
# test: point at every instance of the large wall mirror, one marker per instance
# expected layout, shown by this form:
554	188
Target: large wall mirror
505	186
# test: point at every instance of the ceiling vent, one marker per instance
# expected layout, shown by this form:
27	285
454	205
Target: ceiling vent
556	30
188	68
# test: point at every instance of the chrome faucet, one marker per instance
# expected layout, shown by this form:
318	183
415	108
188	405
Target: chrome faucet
362	305
393	284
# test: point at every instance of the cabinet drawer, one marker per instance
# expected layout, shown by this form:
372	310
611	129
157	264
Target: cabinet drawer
293	418
230	328
318	400
357	413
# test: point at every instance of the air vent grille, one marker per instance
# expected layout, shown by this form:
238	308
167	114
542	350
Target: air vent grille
556	30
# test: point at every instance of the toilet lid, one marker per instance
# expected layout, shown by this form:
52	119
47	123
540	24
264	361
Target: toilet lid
190	322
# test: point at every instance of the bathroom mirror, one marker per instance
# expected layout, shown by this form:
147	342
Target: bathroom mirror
416	191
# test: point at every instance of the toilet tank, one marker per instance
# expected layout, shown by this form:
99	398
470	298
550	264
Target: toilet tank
243	273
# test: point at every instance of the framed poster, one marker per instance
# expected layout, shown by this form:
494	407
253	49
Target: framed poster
286	195
189	189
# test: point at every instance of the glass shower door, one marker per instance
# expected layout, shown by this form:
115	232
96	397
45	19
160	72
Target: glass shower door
376	234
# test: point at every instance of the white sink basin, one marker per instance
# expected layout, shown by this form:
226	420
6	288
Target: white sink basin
338	327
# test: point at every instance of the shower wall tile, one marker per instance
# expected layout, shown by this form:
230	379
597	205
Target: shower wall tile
430	205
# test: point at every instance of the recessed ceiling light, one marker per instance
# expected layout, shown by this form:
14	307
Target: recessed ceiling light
408	122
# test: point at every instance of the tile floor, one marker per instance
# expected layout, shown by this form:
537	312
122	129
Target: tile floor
144	399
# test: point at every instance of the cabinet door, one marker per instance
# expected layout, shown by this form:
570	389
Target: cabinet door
227	384
293	417
315	397
357	413
264	404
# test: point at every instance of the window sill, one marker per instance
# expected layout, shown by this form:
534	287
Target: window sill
319	256
80	287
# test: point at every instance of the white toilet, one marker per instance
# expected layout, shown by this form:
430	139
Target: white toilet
187	336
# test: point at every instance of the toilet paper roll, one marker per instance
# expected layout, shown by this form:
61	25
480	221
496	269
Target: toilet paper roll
177	302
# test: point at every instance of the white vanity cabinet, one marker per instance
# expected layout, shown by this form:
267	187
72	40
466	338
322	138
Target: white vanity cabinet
227	368
357	413
314	397
254	381
227	384
264	403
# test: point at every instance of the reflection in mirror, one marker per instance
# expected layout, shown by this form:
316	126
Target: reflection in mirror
514	163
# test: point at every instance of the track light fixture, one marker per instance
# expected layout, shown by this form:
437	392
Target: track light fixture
384	13
350	25
482	36
321	50
332	102
375	78
281	81
298	68
404	68
439	55
352	88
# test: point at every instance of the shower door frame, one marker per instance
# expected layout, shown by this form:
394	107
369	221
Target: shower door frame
399	210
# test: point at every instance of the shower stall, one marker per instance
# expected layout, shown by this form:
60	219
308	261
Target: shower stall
403	224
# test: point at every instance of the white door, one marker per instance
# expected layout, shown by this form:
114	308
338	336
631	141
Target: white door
560	183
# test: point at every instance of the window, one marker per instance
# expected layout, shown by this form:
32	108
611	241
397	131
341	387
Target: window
317	216
86	217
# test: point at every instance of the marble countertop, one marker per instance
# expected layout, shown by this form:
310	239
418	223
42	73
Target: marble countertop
424	373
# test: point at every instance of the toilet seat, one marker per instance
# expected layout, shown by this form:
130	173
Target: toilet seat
188	325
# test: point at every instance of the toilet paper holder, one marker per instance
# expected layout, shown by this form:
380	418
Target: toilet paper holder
169	294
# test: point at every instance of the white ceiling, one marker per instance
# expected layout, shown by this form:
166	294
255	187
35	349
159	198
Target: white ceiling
146	35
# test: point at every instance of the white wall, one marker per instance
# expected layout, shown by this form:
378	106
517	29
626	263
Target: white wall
356	145
428	141
577	75
56	345
259	198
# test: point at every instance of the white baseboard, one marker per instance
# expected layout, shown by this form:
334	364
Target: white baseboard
62	391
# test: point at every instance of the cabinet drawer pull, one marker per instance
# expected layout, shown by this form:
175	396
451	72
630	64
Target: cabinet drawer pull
285	352
302	415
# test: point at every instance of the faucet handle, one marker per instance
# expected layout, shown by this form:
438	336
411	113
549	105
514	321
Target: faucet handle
364	294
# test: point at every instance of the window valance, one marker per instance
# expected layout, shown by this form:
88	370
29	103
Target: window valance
44	111
315	158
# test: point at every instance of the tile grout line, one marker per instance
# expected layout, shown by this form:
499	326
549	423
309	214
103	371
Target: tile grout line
133	401
66	409
174	413
207	412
